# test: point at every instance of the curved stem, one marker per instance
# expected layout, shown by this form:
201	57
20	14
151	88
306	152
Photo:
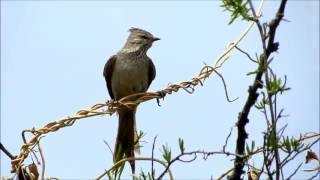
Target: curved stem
136	159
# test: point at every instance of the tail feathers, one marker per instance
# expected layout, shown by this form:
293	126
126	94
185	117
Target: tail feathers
125	142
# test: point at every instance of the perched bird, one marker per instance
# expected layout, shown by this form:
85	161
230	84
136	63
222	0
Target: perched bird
128	72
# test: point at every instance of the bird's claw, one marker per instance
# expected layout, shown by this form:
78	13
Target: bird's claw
162	94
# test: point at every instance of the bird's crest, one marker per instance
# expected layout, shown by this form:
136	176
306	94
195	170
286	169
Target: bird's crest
133	29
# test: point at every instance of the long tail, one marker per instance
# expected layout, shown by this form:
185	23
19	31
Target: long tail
124	146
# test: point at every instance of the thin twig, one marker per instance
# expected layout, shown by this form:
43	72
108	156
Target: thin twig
226	141
135	159
285	161
6	151
152	156
295	171
247	54
264	109
225	174
314	176
43	162
266	157
194	153
105	142
225	86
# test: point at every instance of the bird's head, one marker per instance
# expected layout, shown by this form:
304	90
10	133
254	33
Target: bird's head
139	40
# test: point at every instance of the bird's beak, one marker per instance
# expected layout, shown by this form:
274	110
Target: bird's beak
155	39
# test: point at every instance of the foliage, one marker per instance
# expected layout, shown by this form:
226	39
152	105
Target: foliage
237	8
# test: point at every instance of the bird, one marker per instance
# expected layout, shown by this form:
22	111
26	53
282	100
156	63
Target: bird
127	72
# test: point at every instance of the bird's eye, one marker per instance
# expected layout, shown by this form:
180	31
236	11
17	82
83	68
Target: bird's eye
144	36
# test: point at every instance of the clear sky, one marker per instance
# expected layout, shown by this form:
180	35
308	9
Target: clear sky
52	57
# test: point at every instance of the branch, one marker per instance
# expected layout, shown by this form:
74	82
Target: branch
247	54
43	162
253	95
225	174
314	176
295	171
6	151
194	153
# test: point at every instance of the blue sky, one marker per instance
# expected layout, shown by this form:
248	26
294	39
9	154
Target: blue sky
52	57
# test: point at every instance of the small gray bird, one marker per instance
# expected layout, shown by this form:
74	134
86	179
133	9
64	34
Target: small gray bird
128	72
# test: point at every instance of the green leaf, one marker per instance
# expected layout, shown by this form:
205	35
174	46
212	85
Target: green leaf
275	85
237	8
166	154
287	145
248	149
260	105
181	145
109	174
296	144
272	141
253	143
252	73
149	176
143	176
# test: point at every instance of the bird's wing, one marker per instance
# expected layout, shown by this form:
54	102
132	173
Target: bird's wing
151	72
107	73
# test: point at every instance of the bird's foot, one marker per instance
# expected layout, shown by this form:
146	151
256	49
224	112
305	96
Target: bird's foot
162	94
